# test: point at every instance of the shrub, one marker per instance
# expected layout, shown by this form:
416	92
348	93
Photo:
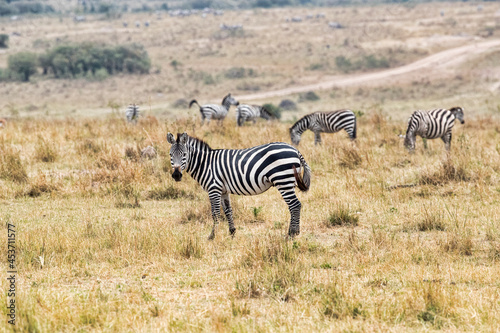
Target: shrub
239	73
23	64
308	96
288	105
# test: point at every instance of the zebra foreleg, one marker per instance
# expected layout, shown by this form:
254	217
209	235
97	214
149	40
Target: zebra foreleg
215	203
226	206
425	142
409	143
294	206
317	138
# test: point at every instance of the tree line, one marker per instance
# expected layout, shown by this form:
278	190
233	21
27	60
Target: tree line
78	60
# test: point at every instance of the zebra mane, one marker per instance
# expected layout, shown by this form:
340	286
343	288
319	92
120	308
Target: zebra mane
266	111
197	143
301	121
225	98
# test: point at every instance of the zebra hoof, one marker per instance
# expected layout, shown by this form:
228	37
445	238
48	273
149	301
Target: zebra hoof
232	231
212	236
293	232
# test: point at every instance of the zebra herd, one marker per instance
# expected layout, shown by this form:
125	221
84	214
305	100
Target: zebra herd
254	170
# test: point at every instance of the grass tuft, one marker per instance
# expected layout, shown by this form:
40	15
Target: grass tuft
11	166
342	216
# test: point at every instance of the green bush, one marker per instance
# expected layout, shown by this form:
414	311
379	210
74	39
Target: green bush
273	109
23	64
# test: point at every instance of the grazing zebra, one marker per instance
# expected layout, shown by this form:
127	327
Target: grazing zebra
432	124
248	171
219	112
324	122
132	113
245	112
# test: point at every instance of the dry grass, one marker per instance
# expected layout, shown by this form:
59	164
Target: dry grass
101	234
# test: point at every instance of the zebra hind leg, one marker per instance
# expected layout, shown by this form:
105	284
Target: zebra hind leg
226	205
447	141
317	138
294	206
215	203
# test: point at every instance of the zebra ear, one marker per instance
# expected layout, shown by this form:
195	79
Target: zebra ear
182	138
170	138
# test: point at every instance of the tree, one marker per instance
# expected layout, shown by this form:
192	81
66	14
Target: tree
4	38
23	64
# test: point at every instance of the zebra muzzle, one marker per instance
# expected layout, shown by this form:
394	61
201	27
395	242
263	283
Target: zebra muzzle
177	175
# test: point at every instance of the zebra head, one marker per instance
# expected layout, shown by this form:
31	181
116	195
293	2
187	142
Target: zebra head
178	154
458	112
295	135
229	100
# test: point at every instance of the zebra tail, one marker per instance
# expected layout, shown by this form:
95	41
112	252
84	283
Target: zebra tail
193	102
303	182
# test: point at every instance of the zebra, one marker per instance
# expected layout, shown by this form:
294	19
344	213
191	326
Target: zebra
432	124
132	113
324	122
245	112
219	112
248	171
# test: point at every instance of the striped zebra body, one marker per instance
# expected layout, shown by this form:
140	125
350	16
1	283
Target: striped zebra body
246	112
132	113
248	171
432	124
324	122
215	111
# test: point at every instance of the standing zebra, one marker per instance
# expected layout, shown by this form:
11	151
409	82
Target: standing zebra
132	113
324	122
245	112
432	124
248	171
219	112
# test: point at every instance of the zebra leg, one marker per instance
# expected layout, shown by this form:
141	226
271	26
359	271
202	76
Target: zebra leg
226	205
425	142
447	141
215	199
294	206
317	138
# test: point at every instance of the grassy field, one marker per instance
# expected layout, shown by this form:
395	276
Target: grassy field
107	241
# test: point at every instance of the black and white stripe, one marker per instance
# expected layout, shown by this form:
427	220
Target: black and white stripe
215	111
245	112
432	124
132	113
324	122
248	171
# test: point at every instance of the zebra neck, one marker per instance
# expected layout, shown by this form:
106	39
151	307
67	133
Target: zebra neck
198	158
303	124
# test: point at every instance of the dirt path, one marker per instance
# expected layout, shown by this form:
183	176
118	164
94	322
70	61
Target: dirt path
436	62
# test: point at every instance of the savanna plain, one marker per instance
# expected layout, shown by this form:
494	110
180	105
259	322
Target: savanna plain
107	241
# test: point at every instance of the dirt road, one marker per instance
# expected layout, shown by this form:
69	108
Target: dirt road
436	62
